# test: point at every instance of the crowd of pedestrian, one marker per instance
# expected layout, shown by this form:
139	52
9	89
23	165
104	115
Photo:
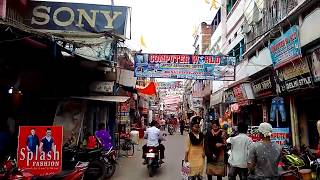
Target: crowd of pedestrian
231	156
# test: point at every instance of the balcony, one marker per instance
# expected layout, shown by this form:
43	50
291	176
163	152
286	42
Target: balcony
273	12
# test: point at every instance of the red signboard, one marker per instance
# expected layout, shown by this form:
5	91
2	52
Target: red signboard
40	149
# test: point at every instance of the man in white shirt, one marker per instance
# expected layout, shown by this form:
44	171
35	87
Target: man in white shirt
239	153
153	135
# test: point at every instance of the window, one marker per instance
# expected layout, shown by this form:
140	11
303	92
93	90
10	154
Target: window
216	20
238	51
230	4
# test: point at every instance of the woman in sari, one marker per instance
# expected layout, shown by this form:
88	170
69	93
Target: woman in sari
194	153
215	142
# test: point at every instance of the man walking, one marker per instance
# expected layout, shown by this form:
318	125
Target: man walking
182	124
264	156
239	153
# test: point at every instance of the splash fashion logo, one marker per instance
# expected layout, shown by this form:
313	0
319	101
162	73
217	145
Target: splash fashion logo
40	149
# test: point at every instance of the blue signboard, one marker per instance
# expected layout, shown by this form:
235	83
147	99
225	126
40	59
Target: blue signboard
280	135
286	48
76	17
210	67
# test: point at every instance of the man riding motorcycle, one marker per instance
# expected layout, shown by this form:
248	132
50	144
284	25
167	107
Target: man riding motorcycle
153	136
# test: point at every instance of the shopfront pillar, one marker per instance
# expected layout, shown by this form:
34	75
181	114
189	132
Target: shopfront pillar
294	123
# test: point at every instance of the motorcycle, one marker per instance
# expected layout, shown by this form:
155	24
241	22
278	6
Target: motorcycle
102	164
153	160
170	129
312	162
10	171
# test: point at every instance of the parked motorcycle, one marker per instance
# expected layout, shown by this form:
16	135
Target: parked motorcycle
311	160
10	171
171	129
102	164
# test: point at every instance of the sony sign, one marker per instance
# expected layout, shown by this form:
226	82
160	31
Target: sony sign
77	17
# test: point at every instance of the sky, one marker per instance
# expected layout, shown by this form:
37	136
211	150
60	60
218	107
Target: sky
166	25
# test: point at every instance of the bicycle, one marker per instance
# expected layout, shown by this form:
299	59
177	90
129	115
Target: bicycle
127	146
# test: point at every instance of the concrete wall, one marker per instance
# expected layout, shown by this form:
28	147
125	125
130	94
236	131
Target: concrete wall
309	29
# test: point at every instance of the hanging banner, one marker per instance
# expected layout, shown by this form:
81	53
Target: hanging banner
286	48
76	17
295	76
40	149
70	115
185	66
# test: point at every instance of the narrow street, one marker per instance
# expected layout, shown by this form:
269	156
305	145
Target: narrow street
132	168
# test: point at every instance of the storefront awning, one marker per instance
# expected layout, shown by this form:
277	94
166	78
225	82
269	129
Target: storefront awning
120	99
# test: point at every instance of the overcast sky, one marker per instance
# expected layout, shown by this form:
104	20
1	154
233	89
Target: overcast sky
166	25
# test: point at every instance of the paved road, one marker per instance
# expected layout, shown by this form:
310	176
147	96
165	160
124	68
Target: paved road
132	168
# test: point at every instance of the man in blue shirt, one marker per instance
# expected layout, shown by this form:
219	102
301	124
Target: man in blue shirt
32	141
47	142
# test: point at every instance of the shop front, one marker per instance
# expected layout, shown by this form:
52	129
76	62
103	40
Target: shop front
240	99
301	83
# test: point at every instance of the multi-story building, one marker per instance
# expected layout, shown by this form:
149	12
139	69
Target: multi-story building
254	31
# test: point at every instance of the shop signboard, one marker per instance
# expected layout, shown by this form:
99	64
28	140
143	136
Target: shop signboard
229	96
76	17
239	93
315	65
182	66
123	112
102	87
263	86
280	135
295	76
286	48
40	149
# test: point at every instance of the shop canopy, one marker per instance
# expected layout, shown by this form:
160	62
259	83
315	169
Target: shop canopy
120	99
